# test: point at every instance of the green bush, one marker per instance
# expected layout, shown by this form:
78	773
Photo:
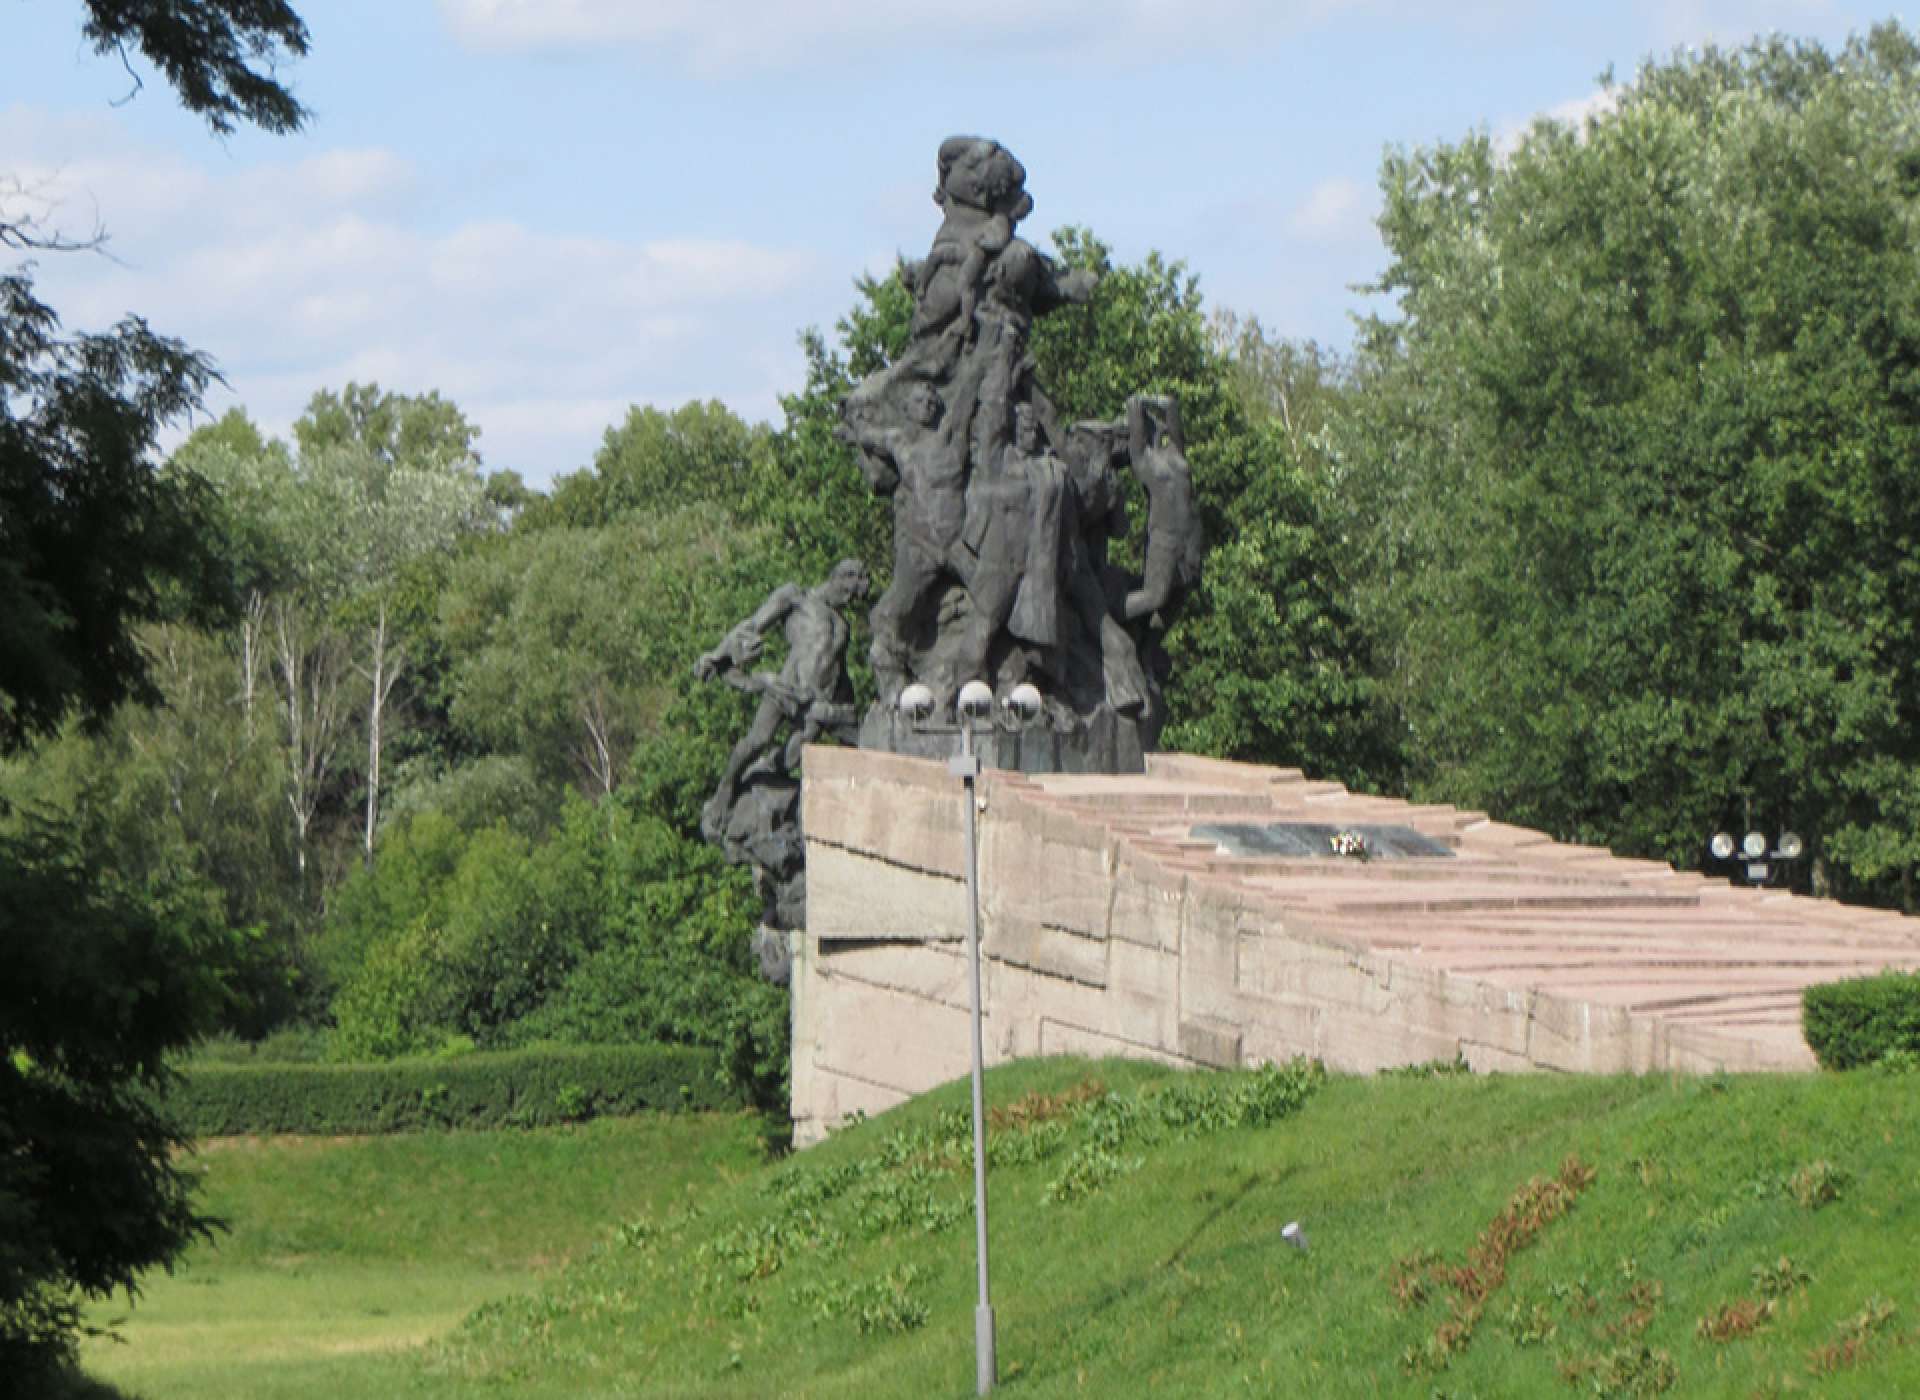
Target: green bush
418	858
289	1044
619	927
1861	1021
491	790
535	1087
462	933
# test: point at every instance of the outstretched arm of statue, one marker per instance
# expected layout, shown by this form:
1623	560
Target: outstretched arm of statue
742	645
875	449
1063	286
770	614
738	650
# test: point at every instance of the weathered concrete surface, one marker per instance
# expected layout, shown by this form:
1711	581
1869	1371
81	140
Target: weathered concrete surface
1109	928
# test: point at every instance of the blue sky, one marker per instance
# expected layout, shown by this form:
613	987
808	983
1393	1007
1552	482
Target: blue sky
551	209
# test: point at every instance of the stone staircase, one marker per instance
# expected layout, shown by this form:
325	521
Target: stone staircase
1137	915
1512	907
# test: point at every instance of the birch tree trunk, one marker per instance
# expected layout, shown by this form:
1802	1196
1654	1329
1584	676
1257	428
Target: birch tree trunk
252	649
310	674
383	669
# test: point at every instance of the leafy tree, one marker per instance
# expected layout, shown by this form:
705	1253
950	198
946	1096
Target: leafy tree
383	480
492	789
811	498
1267	665
459	940
93	541
569	645
187	790
672	963
422	432
1144	331
379	483
219	55
622	926
105	975
656	461
1301	385
1649	518
289	643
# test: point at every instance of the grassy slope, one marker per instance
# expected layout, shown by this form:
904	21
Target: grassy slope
340	1250
1173	1278
849	1270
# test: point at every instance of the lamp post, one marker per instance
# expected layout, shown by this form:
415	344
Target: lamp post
975	703
1756	865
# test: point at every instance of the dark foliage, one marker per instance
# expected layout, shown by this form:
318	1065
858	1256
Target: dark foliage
93	541
1631	473
1861	1021
532	1088
106	973
219	55
104	979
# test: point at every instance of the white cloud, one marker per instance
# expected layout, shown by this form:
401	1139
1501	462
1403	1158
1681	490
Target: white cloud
338	178
1334	211
301	275
1574	113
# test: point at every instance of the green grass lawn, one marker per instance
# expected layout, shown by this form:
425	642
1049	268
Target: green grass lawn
1725	1236
341	1252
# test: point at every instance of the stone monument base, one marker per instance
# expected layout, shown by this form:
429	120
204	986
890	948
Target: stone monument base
1103	741
1201	914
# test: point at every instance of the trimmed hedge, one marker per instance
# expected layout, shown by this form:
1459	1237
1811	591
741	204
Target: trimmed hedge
510	1089
1858	1022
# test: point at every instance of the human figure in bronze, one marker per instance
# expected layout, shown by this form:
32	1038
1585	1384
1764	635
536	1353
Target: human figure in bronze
1096	513
1001	511
1157	454
924	469
976	294
981	189
810	693
1013	538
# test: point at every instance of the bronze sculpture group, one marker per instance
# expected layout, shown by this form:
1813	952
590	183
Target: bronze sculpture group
1002	512
1002	517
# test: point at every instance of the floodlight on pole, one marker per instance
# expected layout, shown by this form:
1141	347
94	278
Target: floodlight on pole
1022	705
1020	708
1756	864
916	702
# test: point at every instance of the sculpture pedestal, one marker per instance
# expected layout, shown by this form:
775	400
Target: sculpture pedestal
1101	742
1174	917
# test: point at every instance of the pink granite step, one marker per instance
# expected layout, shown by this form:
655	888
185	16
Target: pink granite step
1111	928
1512	907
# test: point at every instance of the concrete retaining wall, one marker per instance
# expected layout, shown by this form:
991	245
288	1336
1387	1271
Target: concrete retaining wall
1108	928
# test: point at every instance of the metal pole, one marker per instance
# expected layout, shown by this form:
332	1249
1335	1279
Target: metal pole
968	767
